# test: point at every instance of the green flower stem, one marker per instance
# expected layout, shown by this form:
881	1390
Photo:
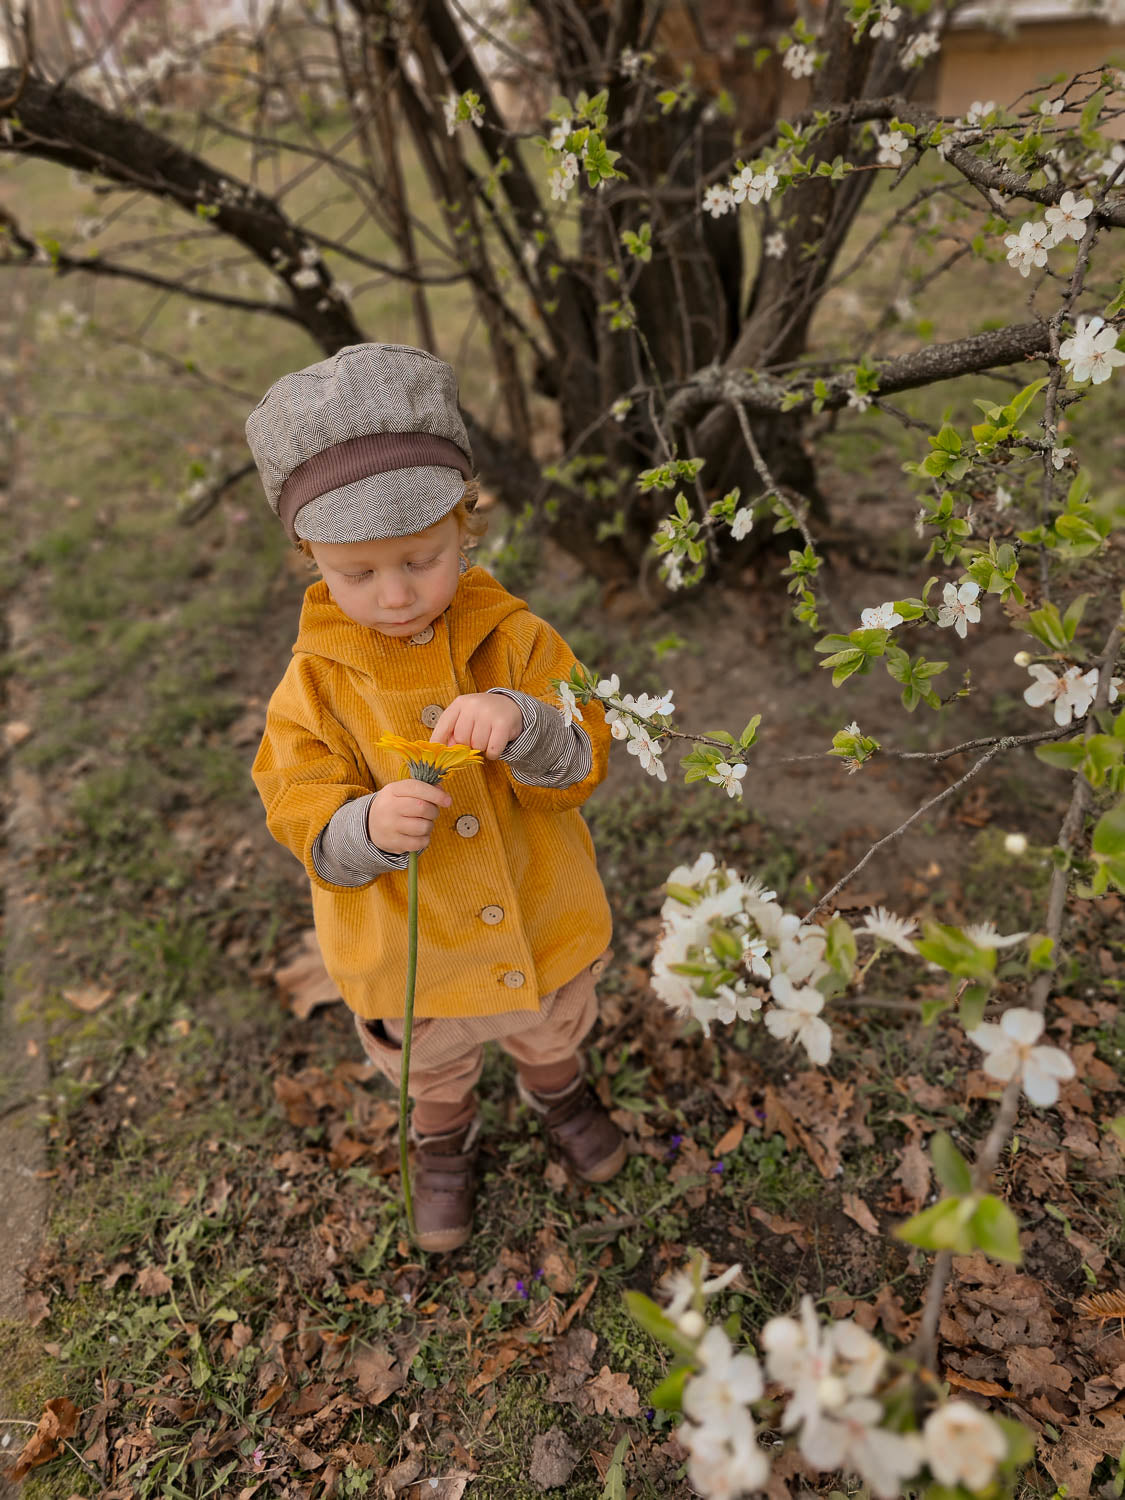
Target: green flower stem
407	1030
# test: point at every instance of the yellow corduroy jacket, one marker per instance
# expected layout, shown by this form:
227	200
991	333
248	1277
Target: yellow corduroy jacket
510	902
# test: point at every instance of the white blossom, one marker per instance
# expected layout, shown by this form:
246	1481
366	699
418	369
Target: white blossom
305	278
718	200
631	62
859	400
1091	352
718	1396
560	135
1068	218
959	609
742	523
962	1445
889	928
978	111
1113	161
1029	247
798	1018
852	1439
884	23
985	935
799	61
680	1287
569	710
722	1467
1052	107
924	44
892	143
1003	497
882	617
1010	1052
1072	694
621	408
728	777
774	247
1015	843
1059	456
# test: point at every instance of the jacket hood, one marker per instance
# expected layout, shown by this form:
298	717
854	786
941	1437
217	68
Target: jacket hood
479	605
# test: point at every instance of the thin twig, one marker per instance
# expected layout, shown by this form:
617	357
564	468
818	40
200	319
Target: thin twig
886	839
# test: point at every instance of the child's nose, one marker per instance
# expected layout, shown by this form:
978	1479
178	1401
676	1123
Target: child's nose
394	593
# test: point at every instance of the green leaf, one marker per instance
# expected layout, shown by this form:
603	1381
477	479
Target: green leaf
1108	845
669	1394
657	1324
614	1487
750	733
950	949
840	951
973	1003
1067	756
952	1169
1019	404
942	1226
948	439
1040	951
996	1230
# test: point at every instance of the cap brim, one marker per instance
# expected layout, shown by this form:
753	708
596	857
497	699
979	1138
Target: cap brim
398	502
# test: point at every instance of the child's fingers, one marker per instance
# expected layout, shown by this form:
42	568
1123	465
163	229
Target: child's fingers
424	793
497	742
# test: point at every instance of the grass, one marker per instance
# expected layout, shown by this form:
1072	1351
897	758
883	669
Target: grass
150	640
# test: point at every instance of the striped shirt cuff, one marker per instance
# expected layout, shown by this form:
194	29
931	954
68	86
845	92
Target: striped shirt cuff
548	751
343	853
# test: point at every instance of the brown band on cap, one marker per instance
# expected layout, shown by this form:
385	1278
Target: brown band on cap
359	458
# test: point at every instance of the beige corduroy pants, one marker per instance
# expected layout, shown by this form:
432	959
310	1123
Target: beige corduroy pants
447	1052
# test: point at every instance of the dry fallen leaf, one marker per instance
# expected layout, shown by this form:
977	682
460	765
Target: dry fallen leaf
777	1225
1034	1370
613	1394
58	1422
859	1213
88	997
553	1459
15	732
731	1140
913	1171
152	1282
305	980
375	1372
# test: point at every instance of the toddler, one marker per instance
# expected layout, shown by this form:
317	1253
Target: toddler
366	462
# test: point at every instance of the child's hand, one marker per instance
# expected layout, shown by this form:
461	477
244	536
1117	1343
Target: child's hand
400	816
483	721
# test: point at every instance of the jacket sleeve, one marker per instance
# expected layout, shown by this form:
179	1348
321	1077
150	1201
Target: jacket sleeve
307	768
538	655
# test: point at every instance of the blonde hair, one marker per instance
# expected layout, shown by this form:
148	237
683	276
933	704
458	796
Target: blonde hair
472	526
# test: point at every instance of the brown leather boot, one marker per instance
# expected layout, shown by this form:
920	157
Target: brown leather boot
444	1187
579	1128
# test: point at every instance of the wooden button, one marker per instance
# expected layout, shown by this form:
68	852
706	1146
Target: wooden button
431	714
467	826
423	637
513	979
492	914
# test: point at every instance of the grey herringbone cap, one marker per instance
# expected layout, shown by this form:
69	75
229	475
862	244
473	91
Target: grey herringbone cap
369	443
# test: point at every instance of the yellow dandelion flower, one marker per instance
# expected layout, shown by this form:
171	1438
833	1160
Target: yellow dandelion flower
427	760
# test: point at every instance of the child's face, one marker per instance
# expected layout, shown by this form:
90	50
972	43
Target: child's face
395	585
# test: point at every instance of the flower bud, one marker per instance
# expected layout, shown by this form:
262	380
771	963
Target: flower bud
691	1324
1022	658
1015	843
831	1392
